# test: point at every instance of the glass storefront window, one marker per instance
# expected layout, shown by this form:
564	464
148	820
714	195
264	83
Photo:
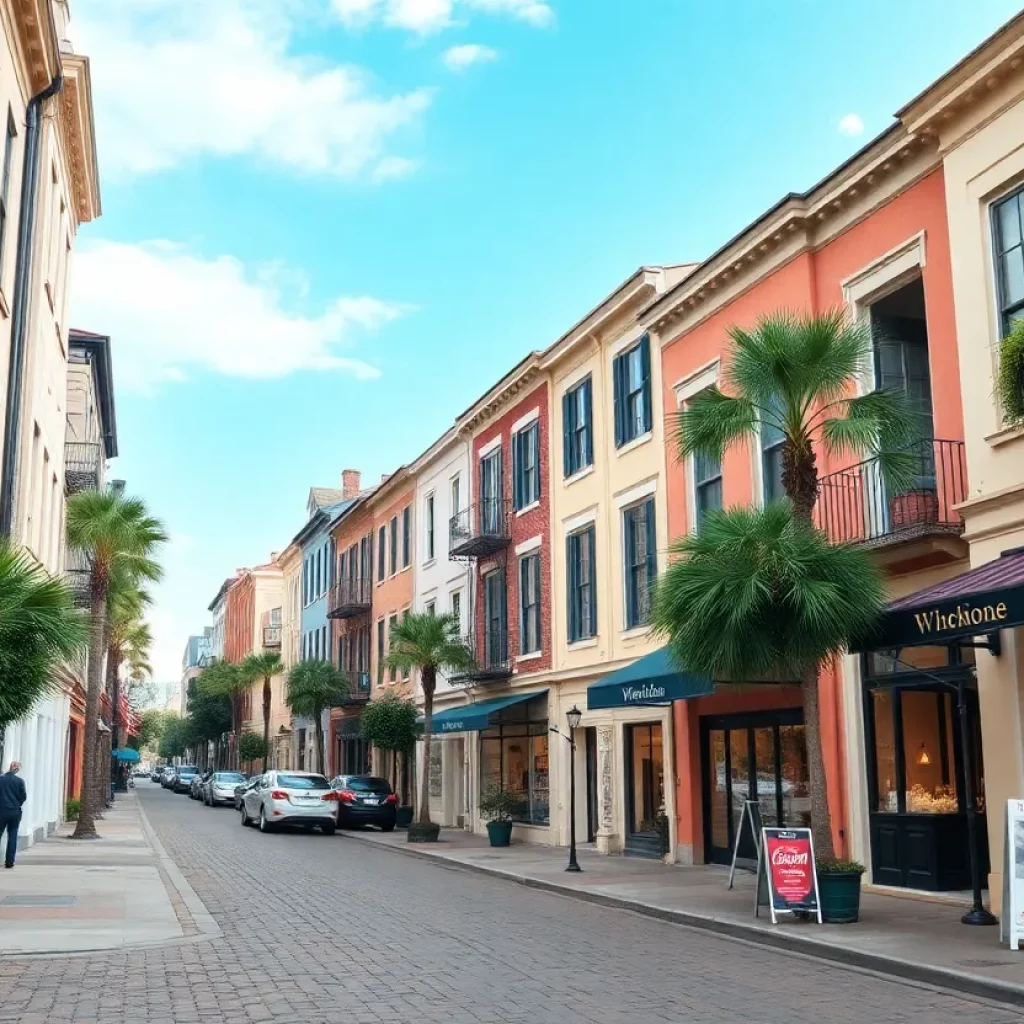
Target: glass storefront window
514	757
435	768
885	750
796	794
647	778
930	786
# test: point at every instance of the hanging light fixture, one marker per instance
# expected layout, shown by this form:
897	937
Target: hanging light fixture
923	757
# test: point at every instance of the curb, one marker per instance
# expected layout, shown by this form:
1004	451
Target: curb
926	974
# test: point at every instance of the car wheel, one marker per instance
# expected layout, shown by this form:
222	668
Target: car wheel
328	830
265	825
388	828
245	817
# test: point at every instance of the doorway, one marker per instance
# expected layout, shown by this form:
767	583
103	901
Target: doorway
762	757
645	789
590	748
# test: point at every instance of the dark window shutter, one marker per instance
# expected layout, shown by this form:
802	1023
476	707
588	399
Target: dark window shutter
535	441
568	422
645	362
571	574
628	529
652	542
619	389
592	578
588	412
517	471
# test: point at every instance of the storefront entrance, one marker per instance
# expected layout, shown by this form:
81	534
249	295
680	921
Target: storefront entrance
760	756
645	790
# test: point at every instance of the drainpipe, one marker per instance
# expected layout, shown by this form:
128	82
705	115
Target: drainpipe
22	281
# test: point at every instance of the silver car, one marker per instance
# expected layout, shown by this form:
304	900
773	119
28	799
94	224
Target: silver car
219	788
302	799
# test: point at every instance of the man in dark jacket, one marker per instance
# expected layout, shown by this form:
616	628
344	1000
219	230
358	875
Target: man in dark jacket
12	796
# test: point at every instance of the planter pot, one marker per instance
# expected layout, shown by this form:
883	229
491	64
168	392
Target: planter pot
423	833
403	817
914	508
499	833
839	892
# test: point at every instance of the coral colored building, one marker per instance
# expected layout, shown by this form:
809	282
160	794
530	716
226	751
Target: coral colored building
870	239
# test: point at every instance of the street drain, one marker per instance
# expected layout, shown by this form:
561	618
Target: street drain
38	901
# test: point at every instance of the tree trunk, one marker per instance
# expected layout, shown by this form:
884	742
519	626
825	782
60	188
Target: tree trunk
821	816
428	678
86	826
114	680
800	477
318	730
266	720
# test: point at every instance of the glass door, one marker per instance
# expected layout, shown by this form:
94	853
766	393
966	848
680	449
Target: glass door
645	788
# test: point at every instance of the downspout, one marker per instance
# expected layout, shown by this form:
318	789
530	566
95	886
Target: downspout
22	281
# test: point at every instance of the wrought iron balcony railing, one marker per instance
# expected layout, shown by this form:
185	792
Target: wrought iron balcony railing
491	660
272	636
481	529
349	597
82	462
359	687
78	577
857	506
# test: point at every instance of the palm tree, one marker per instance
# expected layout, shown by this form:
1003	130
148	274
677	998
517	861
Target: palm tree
430	643
118	535
225	679
39	628
263	666
313	687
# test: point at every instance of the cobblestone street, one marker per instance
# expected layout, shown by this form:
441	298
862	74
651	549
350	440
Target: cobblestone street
319	929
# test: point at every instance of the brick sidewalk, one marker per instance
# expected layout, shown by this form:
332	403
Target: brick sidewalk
917	938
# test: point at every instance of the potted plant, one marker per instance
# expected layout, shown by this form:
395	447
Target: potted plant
839	889
498	807
1010	378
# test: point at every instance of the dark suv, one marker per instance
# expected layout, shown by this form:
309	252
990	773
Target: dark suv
183	776
365	800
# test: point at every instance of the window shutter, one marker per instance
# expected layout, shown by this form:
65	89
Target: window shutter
568	422
592	580
652	542
629	534
588	412
534	440
645	362
571	574
619	390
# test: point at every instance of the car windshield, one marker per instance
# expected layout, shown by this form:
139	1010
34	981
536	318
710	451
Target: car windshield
234	777
188	769
302	782
367	784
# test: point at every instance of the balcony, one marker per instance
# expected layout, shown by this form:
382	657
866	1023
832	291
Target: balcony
481	529
359	687
272	637
78	577
491	661
349	598
82	463
856	506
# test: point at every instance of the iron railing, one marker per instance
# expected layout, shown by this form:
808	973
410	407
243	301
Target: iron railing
480	529
272	636
359	689
857	505
349	597
81	466
78	577
491	661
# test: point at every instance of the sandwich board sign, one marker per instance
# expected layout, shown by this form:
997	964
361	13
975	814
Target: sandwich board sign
750	820
1011	920
787	856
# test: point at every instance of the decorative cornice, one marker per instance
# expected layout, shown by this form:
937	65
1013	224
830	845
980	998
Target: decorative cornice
501	396
32	23
79	137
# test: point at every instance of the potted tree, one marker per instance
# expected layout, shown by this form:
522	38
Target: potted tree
498	807
389	724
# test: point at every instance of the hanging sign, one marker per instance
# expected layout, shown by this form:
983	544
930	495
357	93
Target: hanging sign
750	820
1011	920
788	858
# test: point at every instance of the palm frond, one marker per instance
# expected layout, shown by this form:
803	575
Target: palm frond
711	421
423	640
313	686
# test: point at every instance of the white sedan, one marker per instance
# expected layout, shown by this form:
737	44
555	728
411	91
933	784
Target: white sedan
302	799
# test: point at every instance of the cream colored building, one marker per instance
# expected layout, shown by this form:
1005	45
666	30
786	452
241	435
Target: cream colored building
267	583
48	139
290	562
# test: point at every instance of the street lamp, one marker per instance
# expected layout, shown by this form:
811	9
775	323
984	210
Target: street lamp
572	716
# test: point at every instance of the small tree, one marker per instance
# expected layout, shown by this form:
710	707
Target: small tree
430	643
313	687
251	748
224	679
174	739
389	723
151	725
263	666
209	718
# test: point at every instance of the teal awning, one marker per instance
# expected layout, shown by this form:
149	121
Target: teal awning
653	679
127	754
473	717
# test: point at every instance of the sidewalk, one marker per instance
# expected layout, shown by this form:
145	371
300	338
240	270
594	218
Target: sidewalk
121	890
918	939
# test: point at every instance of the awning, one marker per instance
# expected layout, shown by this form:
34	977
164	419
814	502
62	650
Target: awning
127	754
983	600
473	717
653	679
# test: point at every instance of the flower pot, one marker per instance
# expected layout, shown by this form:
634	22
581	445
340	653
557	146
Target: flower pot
403	817
839	893
423	832
499	833
914	508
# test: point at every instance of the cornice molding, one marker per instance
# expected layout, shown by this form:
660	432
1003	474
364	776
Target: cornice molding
32	23
501	397
78	126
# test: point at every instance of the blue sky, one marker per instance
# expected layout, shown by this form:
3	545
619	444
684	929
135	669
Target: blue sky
330	224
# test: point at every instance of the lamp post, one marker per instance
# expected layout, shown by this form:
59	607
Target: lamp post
573	716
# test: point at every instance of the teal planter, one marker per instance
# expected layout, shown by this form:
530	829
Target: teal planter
403	817
499	833
839	892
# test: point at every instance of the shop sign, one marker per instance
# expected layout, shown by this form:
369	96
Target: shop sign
1011	920
642	694
788	858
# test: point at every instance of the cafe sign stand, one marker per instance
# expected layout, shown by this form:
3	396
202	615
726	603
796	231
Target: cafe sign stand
786	875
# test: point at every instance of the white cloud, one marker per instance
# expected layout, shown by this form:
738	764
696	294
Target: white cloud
458	58
427	16
852	124
172	312
175	79
393	168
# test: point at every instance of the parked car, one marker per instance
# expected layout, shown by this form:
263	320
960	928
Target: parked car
365	800
219	787
183	776
168	777
157	773
302	799
195	787
140	773
241	789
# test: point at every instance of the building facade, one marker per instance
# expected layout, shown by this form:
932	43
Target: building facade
282	734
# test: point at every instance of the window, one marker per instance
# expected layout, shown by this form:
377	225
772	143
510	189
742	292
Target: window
405	615
316	643
316	577
526	466
457	605
494	652
380	651
456	495
393	540
707	486
431	608
305	581
1008	249
343	567
580	564
429	517
514	757
772	440
365	557
491	518
529	603
406	536
382	541
578	428
641	561
5	185
631	373
392	622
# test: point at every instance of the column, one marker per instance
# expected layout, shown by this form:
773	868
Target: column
607	839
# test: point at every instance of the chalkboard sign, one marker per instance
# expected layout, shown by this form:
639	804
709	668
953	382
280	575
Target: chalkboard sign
750	820
788	858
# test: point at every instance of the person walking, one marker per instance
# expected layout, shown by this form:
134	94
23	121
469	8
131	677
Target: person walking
12	795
